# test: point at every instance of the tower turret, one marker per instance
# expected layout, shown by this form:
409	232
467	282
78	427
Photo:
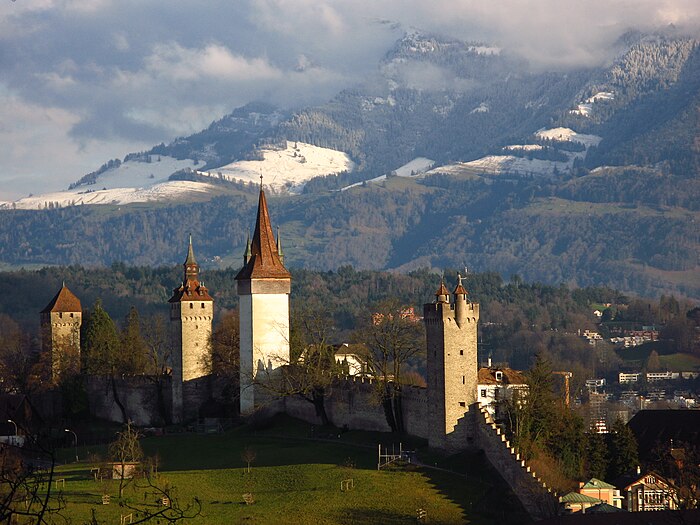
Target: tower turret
264	285
451	338
191	316
461	310
60	333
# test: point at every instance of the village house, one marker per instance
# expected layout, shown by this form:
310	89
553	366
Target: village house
496	385
646	492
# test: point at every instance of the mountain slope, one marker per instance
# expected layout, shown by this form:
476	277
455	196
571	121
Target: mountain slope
588	176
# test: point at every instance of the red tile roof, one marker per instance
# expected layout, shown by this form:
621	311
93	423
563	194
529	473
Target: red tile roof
64	301
509	377
190	289
264	262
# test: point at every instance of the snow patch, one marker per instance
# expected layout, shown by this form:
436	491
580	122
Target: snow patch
585	109
286	169
568	135
485	50
481	108
163	191
523	147
413	168
504	164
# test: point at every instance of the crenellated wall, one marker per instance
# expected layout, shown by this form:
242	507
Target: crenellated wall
538	500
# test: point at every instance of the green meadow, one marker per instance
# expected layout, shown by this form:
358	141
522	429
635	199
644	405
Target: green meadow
294	478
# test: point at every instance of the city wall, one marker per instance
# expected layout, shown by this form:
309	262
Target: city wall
538	500
138	395
354	402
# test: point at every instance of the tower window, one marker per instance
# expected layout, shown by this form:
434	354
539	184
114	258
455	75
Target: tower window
463	380
191	305
202	305
71	315
60	315
461	352
462	404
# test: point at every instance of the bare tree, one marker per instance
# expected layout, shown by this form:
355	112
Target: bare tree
248	455
394	340
126	453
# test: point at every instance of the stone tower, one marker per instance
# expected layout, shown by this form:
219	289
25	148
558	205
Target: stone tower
60	333
191	315
264	285
452	367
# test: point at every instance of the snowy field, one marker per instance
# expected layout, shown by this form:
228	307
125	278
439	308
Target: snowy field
413	168
141	181
287	169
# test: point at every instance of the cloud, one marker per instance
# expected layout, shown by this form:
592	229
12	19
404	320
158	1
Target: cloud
85	79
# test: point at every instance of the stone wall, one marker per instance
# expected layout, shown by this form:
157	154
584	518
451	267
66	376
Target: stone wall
137	394
353	402
537	499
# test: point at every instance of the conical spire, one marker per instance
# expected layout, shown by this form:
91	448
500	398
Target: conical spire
264	261
190	254
191	288
279	246
443	294
459	289
248	252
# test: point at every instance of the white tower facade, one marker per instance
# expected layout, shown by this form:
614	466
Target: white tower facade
264	285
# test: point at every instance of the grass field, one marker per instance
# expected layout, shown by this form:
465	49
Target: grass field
671	361
294	479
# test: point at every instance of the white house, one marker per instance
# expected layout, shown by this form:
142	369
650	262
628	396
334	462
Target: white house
498	384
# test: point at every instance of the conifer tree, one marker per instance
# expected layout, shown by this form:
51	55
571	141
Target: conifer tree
623	450
596	456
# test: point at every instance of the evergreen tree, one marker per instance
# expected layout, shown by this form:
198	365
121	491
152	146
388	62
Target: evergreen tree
623	450
596	464
99	342
132	359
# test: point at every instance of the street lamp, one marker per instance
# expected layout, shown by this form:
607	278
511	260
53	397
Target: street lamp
75	436
15	424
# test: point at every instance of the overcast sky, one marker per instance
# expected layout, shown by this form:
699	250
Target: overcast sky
85	81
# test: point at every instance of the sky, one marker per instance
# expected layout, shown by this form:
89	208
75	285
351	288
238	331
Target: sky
85	81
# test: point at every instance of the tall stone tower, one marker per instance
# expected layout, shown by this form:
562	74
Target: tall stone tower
191	315
264	285
452	367
60	333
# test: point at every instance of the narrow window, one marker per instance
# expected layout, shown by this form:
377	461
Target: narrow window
462	404
461	352
191	305
202	305
463	380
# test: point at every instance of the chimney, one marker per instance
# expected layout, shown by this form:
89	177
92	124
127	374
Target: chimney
489	362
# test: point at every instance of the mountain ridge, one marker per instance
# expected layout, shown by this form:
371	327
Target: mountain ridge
509	189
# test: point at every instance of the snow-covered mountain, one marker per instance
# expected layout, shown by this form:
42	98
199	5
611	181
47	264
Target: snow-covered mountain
148	178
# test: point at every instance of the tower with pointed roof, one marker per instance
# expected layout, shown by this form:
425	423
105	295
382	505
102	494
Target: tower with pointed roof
451	335
191	316
264	285
60	332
